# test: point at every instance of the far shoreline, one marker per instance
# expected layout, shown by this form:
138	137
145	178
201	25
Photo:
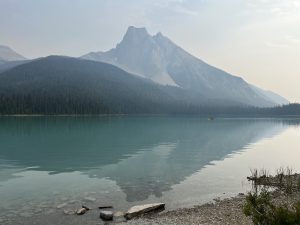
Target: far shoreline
224	116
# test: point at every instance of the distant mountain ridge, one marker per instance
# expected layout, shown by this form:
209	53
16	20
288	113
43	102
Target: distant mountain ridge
64	85
159	59
144	74
10	58
8	54
270	95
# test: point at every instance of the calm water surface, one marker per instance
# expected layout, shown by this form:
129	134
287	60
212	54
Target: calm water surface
123	161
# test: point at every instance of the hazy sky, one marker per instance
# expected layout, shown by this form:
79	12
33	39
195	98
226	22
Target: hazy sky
258	40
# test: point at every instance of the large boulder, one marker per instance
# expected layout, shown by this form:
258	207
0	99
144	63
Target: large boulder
142	209
106	215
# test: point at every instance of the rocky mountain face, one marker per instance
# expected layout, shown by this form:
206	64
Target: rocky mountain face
159	59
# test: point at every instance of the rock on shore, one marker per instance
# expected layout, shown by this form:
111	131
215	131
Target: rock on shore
142	209
223	212
106	215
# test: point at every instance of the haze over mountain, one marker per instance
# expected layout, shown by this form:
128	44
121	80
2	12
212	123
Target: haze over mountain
159	59
64	85
143	74
8	54
9	58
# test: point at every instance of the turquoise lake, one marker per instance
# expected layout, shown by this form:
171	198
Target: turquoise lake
51	163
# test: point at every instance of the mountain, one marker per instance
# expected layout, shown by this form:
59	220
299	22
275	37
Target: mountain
7	65
7	54
64	85
270	95
159	59
9	58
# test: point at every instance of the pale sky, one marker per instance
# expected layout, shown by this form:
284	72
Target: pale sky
258	40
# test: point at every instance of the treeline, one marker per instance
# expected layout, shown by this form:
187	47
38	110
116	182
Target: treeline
61	104
287	110
28	104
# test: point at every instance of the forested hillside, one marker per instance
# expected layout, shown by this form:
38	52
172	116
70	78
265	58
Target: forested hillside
64	85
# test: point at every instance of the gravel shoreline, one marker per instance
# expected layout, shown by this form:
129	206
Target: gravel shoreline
227	211
220	212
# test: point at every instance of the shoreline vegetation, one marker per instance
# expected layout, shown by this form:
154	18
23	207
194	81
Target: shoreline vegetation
265	209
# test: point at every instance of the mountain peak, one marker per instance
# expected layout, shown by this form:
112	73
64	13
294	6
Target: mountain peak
157	58
160	38
137	29
159	35
136	33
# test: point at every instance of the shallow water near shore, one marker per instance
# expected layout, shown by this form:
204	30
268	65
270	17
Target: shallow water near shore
48	164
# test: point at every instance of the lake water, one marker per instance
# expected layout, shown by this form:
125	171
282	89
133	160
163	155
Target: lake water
123	161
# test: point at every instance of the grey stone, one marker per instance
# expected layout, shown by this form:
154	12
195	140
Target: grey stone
105	207
106	215
119	217
26	214
69	212
91	199
81	211
61	205
50	211
87	208
142	209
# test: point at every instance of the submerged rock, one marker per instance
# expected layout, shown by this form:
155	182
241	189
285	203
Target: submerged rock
87	208
73	201
106	215
49	211
69	212
25	214
91	199
81	211
38	210
61	205
119	214
141	209
119	217
105	207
